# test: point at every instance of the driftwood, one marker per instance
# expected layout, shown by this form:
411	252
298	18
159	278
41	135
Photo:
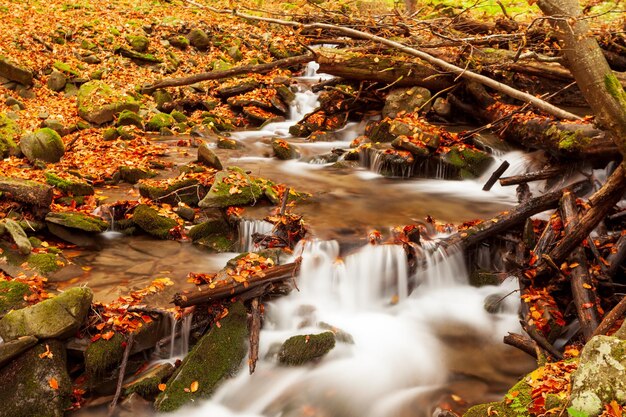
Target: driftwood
206	294
530	176
217	75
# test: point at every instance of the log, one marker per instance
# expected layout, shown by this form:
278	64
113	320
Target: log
544	174
496	174
546	240
255	332
523	343
612	316
217	75
25	191
585	298
206	294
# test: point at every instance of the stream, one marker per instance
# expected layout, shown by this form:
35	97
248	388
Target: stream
401	353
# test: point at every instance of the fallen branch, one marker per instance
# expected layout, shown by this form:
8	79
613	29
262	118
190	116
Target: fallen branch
530	176
612	316
496	174
120	378
615	259
521	342
255	331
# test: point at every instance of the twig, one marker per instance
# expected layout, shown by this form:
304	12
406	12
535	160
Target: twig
120	378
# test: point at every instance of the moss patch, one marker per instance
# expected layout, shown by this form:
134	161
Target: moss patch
78	221
232	188
149	220
76	188
103	355
186	191
298	350
12	295
9	131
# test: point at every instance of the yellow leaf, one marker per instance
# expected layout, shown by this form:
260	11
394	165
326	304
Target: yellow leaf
587	286
194	386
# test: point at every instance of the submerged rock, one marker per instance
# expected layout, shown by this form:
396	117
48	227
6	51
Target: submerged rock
284	150
208	158
44	144
232	188
57	317
98	102
217	356
298	350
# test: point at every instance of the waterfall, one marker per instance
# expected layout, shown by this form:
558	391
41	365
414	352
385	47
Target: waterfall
247	229
179	340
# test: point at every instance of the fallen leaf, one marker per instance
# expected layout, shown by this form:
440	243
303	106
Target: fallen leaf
194	386
162	387
54	384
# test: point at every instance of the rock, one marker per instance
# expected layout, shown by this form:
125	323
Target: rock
284	150
416	148
18	235
235	53
132	175
179	42
12	294
178	116
472	162
103	355
15	72
285	94
126	132
217	356
56	126
147	383
298	350
57	81
161	97
442	107
185	190
231	188
220	65
199	39
74	188
32	386
110	134
11	350
45	145
228	143
99	103
91	59
138	43
137	56
66	69
208	158
317	121
406	100
55	318
10	101
129	118
159	121
9	132
26	191
149	220
78	221
185	213
209	228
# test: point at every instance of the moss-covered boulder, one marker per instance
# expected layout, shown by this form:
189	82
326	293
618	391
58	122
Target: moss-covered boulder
217	356
36	383
12	349
208	158
186	190
179	42
12	294
160	121
98	102
18	235
147	383
78	221
129	118
161	97
284	150
44	263
44	144
58	317
298	350
472	162
149	220
71	187
216	225
516	403
138	43
199	39
406	100
9	132
232	187
133	175
228	143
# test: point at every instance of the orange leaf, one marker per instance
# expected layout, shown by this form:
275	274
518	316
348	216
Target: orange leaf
162	387
54	384
194	386
108	335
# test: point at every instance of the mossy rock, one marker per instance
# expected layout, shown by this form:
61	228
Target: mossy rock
138	43
417	149
220	65
103	355
147	383
74	188
208	158
407	100
126	132
218	243
44	145
160	121
231	188
15	72
217	356
55	318
11	350
215	226
179	42
129	118
98	102
298	350
185	190
57	81
9	132
149	220
272	195
44	263
12	294
78	221
110	134
199	39
228	143
65	68
25	383
179	116
18	235
518	399
161	97
472	162
132	175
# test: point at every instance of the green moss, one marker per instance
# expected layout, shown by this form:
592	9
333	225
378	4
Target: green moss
178	116
220	194
77	188
219	244
9	131
12	295
159	121
227	143
217	356
98	102
79	221
208	228
45	263
179	42
44	144
65	68
129	118
615	88
298	350
132	175
185	191
138	43
103	355
482	410
149	220
147	385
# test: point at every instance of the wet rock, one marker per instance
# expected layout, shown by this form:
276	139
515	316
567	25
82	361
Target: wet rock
472	162
129	118
285	93
258	115
214	233
179	42
78	221
26	383
18	235
208	158
185	213
44	144
57	81
340	335
199	39
298	350
241	87
14	72
132	175
71	187
147	383
160	121
317	121
228	143
138	43
149	220
416	148
54	318
98	102
25	191
103	355
406	100
12	294
12	349
185	190
284	150
9	132
231	188
217	356
324	137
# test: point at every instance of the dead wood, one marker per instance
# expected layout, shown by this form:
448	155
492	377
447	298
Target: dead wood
612	316
122	372
617	256
496	174
255	331
544	174
523	343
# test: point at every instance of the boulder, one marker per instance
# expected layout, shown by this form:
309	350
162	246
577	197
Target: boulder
12	349
55	318
44	144
129	118
160	121
147	383
26	191
217	355
232	187
57	81
179	42
298	350
132	175
208	158
284	150
9	131
71	187
228	143
149	220
78	221
14	72
471	161
18	235
199	39
98	102
36	383
138	43
416	148
406	100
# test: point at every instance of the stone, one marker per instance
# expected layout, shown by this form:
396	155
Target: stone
186	190
147	383
208	158
78	221
284	150
416	148
406	100
232	187
26	383
44	144
12	295
217	355
298	350
179	42
161	97
9	132
98	102
57	126
26	191
228	143
66	69
442	107
214	226
10	101
149	220
55	318
129	118
138	43
199	39
14	72
56	81
159	121
471	161
185	213
18	235
11	350
71	187
133	175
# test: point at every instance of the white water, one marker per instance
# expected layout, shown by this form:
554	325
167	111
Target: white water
247	229
401	359
179	337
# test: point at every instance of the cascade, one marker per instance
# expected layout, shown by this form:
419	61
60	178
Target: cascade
247	229
179	341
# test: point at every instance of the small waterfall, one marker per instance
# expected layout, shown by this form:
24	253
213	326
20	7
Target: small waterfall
387	165
441	267
179	340
247	230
